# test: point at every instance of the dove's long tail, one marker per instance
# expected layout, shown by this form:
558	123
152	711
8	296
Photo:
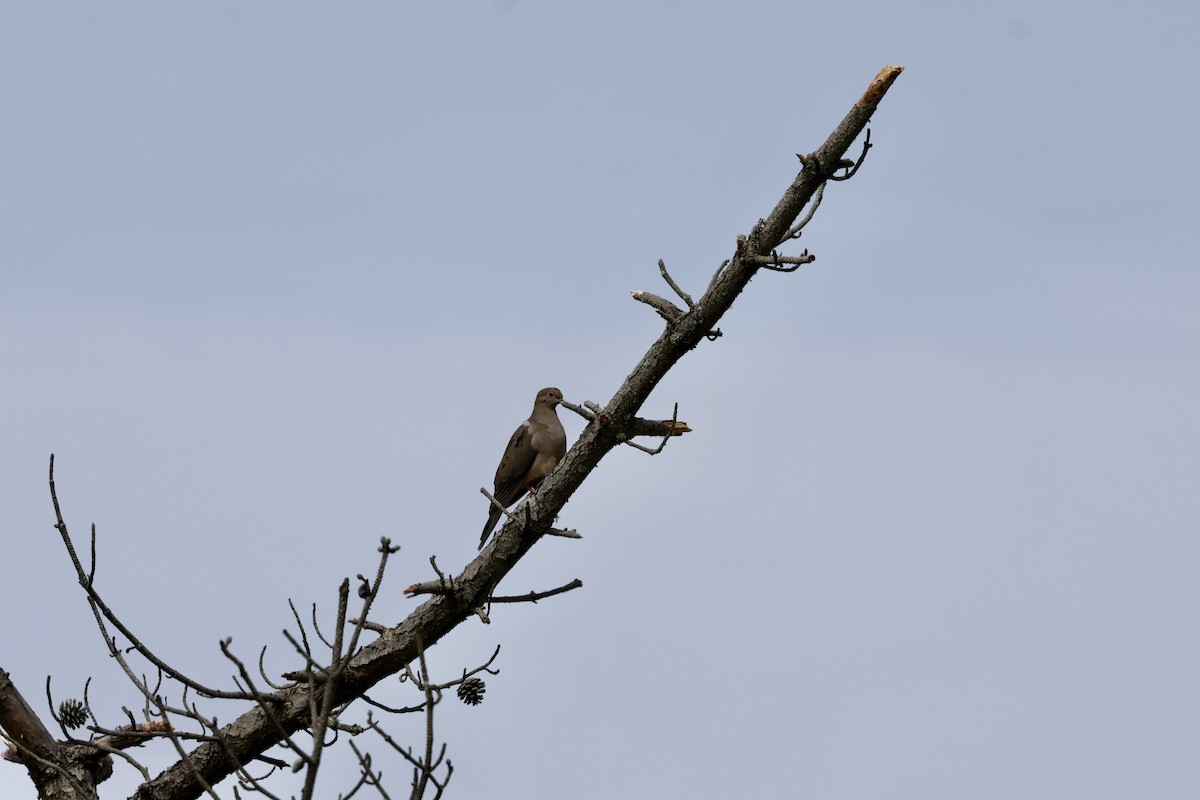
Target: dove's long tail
493	517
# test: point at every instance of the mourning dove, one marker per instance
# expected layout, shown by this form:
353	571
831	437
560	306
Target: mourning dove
532	453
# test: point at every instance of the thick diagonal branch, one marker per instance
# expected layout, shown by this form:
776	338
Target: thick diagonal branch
254	732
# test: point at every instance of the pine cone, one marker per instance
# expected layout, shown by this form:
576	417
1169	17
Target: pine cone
471	691
72	714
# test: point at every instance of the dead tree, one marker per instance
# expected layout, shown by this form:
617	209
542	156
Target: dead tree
302	713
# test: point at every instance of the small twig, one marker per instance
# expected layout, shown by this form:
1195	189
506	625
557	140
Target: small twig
856	164
262	654
254	783
373	778
427	762
135	734
366	777
428	587
643	448
656	427
389	709
671	430
316	623
92	568
406	753
343	727
684	296
533	597
776	262
443	585
370	625
565	533
101	612
586	413
665	308
302	647
794	231
721	268
386	549
312	670
320	718
438	571
484	667
494	502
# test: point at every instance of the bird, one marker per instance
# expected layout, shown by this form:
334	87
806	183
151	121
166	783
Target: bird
536	447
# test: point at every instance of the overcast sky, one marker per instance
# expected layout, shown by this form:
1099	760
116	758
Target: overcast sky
277	279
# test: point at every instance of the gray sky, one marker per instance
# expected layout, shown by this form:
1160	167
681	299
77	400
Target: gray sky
280	278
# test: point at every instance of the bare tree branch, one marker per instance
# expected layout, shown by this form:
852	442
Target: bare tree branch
533	597
433	619
684	296
311	703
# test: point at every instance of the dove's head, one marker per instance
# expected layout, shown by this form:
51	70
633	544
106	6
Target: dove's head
549	397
